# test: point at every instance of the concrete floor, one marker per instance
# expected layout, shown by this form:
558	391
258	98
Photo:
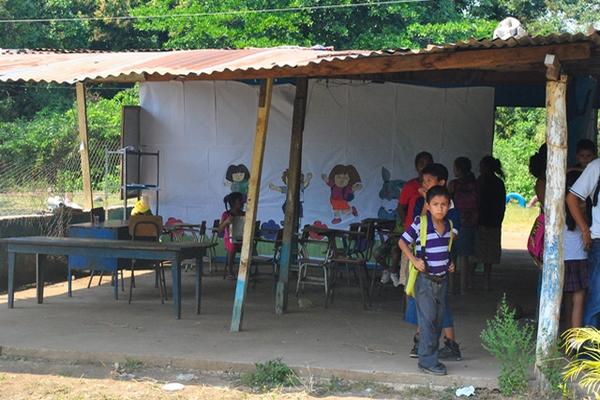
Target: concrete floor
342	340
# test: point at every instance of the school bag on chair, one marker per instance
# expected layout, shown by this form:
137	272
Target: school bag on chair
412	271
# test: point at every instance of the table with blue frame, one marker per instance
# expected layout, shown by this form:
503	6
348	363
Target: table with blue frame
110	229
96	249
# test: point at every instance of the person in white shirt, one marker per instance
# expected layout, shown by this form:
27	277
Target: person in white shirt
576	264
586	187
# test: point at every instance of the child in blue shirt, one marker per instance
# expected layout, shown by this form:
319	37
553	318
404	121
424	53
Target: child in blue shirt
434	263
435	175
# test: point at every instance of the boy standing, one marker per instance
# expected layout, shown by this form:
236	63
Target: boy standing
435	175
434	263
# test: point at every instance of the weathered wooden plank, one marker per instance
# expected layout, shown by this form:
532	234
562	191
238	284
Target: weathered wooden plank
552	67
290	227
88	201
553	272
485	59
262	122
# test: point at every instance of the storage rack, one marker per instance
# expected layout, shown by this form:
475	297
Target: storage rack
136	186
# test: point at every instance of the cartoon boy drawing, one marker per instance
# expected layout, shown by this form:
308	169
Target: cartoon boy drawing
304	182
344	181
237	177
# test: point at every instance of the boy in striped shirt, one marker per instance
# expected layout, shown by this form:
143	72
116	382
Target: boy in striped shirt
433	263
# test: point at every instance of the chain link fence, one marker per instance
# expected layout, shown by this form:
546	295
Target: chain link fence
29	189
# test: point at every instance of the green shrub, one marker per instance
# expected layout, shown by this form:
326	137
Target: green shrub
513	345
270	375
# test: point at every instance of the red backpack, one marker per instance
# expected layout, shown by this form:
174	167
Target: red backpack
466	201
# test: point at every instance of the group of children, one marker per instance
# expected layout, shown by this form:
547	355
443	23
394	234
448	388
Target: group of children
433	213
431	210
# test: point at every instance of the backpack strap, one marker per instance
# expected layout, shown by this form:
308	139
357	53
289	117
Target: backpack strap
451	235
423	234
596	191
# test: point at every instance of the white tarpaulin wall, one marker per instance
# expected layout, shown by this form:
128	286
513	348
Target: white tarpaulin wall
201	128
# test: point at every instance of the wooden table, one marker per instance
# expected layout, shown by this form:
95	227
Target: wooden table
92	248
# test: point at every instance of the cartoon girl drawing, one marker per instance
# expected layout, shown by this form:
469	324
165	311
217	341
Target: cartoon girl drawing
237	177
304	182
344	181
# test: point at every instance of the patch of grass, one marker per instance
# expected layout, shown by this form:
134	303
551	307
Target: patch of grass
270	375
519	219
552	368
419	392
333	385
132	364
370	386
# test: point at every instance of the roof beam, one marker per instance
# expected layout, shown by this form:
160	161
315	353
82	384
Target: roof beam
484	59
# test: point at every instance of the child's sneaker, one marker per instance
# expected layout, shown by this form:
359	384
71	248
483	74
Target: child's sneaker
450	351
385	276
395	279
414	352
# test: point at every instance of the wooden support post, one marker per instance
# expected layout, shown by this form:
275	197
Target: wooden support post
289	244
556	170
262	122
88	202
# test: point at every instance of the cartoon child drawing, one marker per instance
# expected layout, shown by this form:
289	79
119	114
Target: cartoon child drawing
304	182
237	177
343	180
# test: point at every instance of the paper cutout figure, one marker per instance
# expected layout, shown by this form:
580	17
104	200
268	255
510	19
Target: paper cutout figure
237	177
304	182
344	181
390	191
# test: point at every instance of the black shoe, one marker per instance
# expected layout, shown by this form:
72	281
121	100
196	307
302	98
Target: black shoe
439	369
414	353
450	351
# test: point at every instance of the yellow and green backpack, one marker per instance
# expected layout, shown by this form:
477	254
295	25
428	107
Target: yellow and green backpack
412	271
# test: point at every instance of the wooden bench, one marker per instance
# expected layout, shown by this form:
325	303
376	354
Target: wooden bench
96	249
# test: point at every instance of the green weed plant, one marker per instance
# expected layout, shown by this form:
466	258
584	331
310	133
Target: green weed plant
270	375
512	345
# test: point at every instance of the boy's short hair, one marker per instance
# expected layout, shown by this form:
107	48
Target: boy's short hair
421	155
586	144
438	190
437	170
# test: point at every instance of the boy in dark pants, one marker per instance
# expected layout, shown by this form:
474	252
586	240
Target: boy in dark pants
433	263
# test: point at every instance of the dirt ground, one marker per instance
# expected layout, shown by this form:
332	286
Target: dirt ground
38	379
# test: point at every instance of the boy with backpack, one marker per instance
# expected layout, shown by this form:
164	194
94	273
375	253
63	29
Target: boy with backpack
435	175
432	235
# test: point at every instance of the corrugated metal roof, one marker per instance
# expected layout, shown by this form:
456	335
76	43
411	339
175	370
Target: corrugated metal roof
69	66
525	41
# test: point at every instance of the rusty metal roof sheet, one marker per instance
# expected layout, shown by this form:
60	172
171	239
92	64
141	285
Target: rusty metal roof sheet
70	66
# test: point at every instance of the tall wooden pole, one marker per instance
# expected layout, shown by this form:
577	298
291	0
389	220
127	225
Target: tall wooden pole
554	210
88	202
289	244
262	122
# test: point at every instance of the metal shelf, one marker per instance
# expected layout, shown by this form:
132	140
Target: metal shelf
128	187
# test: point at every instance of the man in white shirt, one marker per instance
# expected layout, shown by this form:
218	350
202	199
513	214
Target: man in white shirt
587	187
